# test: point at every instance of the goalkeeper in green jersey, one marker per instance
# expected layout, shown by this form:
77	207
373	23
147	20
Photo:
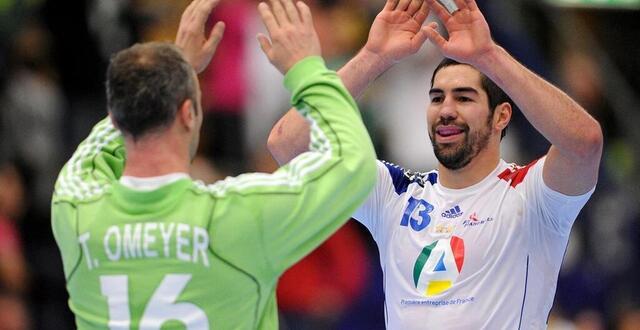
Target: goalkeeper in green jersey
146	247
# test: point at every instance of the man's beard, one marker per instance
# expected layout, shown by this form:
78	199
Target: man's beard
457	156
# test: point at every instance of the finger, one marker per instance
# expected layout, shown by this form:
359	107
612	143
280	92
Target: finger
472	5
422	13
305	13
419	39
390	5
203	10
461	4
265	44
440	11
292	12
432	33
268	19
214	39
403	5
187	11
414	6
279	13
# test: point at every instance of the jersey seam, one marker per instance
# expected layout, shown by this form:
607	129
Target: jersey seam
201	191
524	296
558	277
232	265
79	260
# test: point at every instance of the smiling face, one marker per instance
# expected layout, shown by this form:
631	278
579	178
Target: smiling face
459	118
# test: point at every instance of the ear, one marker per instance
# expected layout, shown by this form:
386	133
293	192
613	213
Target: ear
502	116
187	114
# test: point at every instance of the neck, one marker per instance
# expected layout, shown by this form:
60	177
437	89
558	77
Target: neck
478	169
155	156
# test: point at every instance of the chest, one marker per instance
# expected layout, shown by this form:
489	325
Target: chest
466	232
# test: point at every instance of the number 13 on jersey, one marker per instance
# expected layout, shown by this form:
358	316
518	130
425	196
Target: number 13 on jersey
419	208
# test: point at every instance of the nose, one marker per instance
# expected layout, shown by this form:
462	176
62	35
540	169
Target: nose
448	110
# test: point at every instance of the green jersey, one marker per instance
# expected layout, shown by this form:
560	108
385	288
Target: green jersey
187	255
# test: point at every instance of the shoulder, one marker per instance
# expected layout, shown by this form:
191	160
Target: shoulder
401	178
248	184
516	174
73	191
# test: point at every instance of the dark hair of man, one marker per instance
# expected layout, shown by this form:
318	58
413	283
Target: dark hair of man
146	84
495	94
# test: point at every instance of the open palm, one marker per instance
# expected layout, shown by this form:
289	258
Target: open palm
397	30
469	35
198	49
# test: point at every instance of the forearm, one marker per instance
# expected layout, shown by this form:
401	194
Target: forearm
361	71
553	113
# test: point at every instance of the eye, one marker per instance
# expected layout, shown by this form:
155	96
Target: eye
436	99
464	99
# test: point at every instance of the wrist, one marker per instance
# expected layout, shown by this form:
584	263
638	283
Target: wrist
298	73
376	62
490	59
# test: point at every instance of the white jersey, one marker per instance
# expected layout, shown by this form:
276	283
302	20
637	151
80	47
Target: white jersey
483	257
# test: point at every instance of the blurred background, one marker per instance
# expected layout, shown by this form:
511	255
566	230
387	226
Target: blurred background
53	58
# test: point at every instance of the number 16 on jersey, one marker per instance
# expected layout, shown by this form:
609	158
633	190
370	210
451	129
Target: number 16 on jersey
161	307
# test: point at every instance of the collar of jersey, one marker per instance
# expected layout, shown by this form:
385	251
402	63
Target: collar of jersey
163	197
151	183
493	176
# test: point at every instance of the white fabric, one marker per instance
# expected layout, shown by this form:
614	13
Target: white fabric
151	183
513	235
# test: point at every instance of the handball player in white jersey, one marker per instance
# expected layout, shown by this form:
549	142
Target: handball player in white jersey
477	243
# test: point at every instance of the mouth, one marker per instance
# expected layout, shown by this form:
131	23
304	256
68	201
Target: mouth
448	133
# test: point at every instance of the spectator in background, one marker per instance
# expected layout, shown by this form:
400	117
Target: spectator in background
13	270
32	110
33	107
224	110
13	312
599	277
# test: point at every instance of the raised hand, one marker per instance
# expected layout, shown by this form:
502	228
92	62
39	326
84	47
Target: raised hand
191	38
292	34
469	35
397	31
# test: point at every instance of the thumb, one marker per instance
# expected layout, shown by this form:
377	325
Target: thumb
432	33
418	40
265	44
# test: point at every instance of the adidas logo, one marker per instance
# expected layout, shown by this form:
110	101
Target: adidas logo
452	213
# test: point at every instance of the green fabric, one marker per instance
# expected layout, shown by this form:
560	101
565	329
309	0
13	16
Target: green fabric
207	256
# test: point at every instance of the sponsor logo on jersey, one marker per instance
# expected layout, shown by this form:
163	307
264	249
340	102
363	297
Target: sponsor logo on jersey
453	212
474	220
444	228
438	266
